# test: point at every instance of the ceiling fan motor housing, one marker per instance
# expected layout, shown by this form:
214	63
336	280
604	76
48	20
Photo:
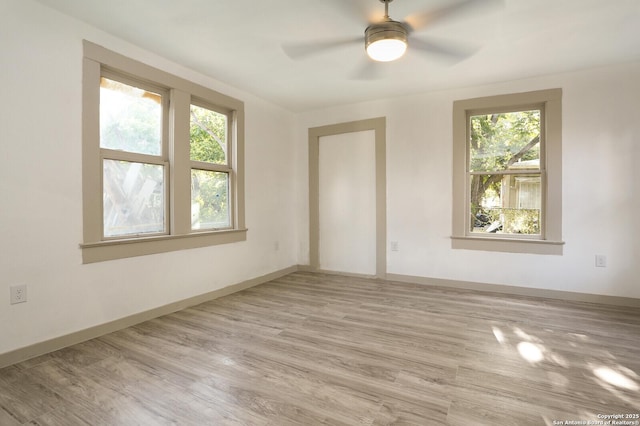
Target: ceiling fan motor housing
386	30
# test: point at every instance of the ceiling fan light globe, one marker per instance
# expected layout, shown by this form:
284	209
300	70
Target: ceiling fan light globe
386	50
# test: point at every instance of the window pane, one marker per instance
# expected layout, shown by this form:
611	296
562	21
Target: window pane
209	200
208	136
506	204
130	118
133	198
505	141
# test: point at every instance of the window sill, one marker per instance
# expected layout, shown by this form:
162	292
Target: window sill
508	245
119	249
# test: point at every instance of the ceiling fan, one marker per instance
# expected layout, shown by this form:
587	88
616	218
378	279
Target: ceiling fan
387	40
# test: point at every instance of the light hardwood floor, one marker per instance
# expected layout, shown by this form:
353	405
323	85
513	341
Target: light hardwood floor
310	349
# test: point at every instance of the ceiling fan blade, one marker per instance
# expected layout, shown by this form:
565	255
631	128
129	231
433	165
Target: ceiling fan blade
360	11
303	50
419	21
447	50
368	70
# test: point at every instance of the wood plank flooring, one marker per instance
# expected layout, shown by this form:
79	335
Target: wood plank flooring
312	349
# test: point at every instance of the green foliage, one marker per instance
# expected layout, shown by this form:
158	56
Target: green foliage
209	189
497	138
131	120
210	199
208	136
500	142
521	221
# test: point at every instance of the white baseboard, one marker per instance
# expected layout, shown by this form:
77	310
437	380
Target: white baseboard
41	348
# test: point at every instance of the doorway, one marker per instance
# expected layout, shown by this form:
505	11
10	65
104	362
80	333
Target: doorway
347	198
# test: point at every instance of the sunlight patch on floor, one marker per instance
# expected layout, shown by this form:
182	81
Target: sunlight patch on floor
615	378
499	335
523	335
559	360
563	374
558	381
531	352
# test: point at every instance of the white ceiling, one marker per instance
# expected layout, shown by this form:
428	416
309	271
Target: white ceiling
240	42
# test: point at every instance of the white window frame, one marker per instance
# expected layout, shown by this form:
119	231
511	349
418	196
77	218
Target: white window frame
550	239
98	62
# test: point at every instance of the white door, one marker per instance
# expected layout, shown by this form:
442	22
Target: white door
347	202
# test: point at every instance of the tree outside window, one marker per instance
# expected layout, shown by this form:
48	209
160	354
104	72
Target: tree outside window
505	172
210	169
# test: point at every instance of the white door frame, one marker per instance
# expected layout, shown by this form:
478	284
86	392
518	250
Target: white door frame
378	125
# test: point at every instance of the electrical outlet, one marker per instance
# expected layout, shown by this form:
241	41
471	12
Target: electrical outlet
18	293
601	261
394	246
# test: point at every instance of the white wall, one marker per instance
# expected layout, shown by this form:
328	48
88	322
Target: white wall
41	204
347	202
40	191
601	162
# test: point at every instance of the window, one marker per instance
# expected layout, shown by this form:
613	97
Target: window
507	173
162	161
210	170
133	157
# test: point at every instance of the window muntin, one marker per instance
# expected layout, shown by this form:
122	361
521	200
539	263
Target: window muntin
504	170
